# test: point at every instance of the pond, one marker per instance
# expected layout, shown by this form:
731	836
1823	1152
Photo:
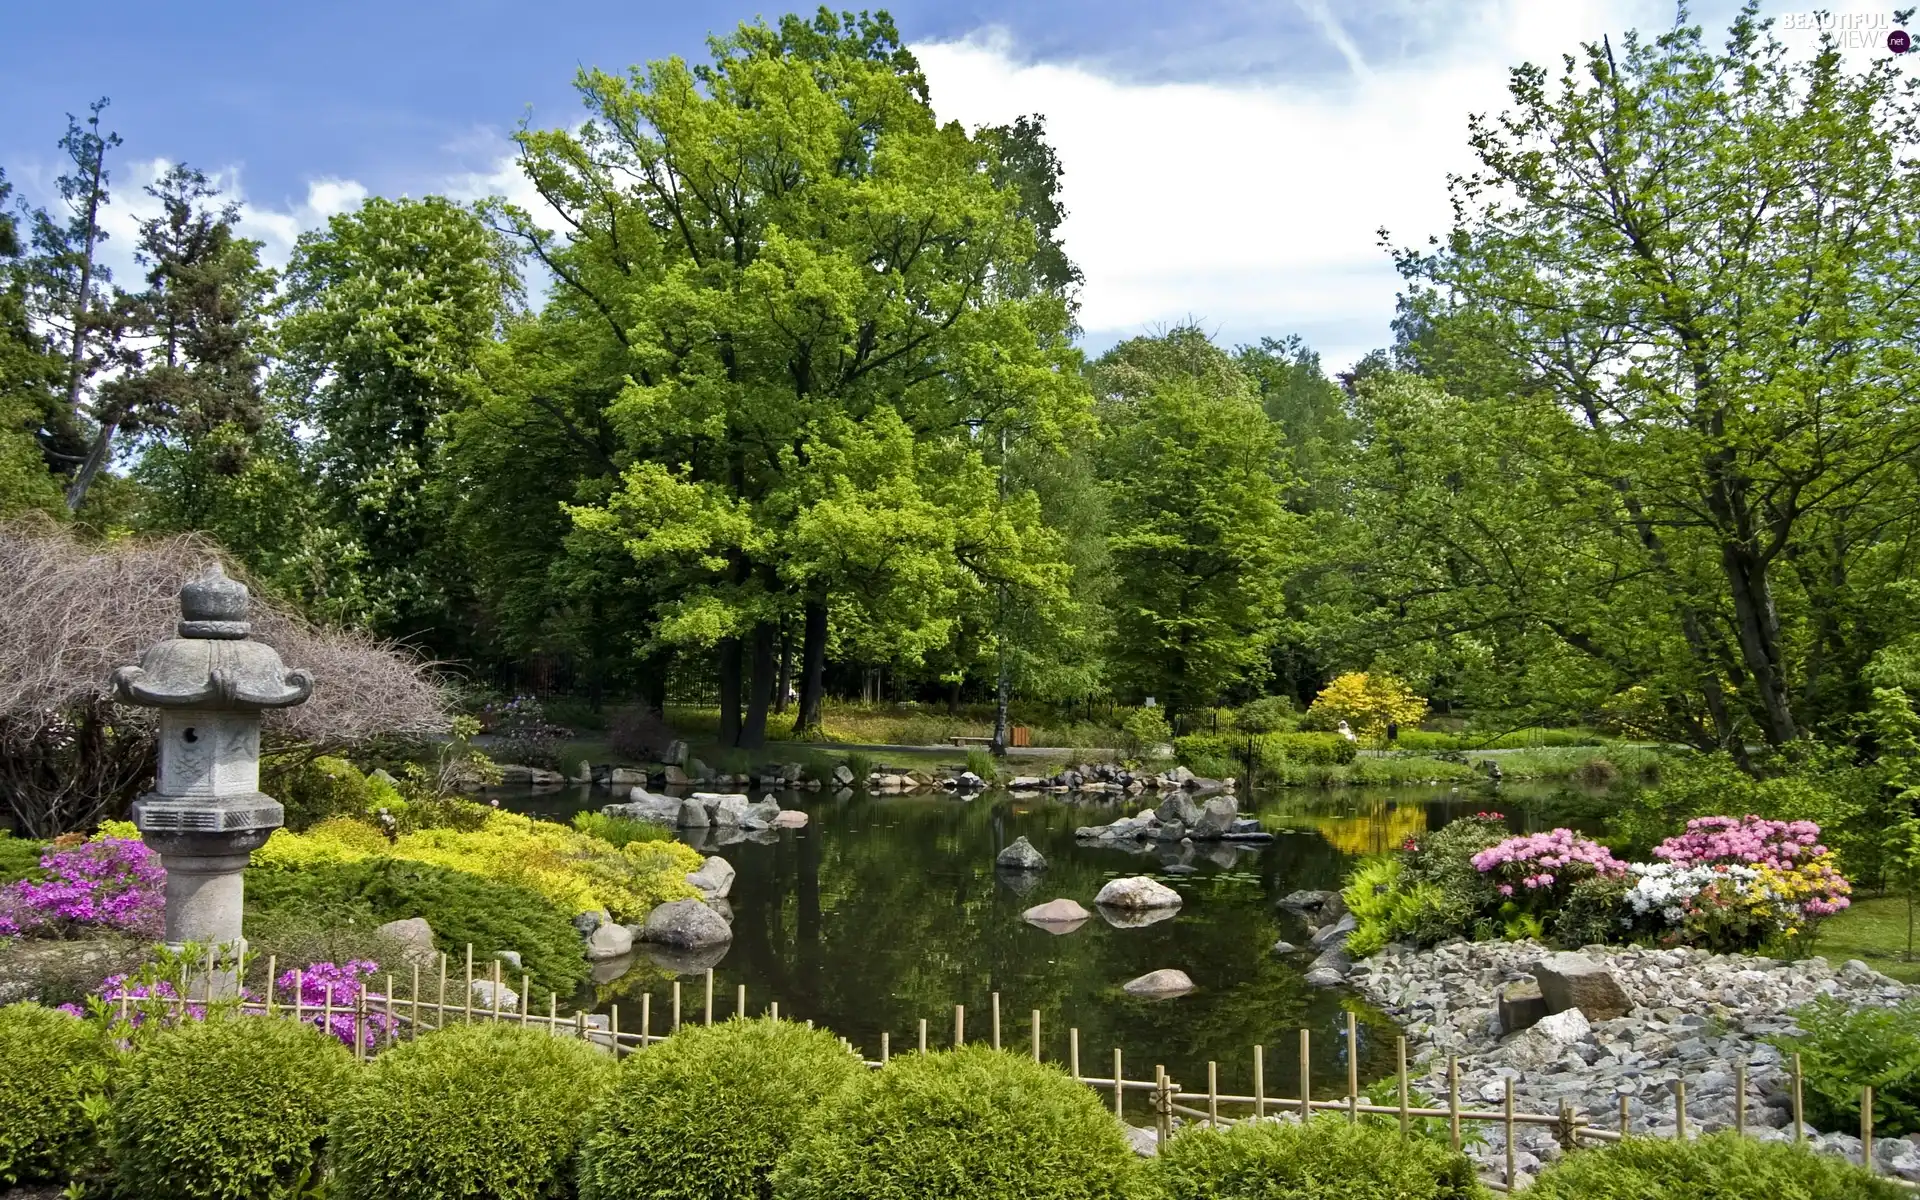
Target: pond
887	910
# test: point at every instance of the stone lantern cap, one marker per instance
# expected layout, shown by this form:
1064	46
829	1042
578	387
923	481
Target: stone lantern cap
212	663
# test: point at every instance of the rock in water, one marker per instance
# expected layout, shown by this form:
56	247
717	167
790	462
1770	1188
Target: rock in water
1137	891
1305	901
724	808
686	923
1159	985
609	941
1335	933
1216	819
843	775
693	815
1284	947
790	818
714	878
591	920
1570	980
416	936
1178	808
1021	856
1056	912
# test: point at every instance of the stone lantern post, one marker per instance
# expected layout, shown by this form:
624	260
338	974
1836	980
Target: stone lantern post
206	814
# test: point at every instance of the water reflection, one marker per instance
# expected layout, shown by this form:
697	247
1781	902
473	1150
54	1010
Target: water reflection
886	911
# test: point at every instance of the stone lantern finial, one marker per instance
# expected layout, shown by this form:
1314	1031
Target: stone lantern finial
206	813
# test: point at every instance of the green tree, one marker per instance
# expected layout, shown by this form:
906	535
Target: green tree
1675	279
1200	537
388	312
28	377
795	270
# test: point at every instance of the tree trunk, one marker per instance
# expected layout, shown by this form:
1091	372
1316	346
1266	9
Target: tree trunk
96	459
729	691
753	734
653	681
1757	625
813	666
785	685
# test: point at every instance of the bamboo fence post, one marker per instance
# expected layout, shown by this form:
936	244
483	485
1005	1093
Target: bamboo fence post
1036	1035
209	998
1680	1110
414	1003
1259	1082
553	1011
1740	1097
1624	1117
1119	1087
580	1024
886	1048
646	1019
125	1003
273	962
526	996
1353	1070
1798	1112
496	991
466	987
613	1029
1453	1101
1400	1057
1162	1107
740	1001
326	1011
675	1027
1306	1066
1866	1128
1073	1053
996	1020
923	1035
773	1011
299	994
959	1025
1509	1125
1213	1095
440	1009
359	1026
708	1019
392	1025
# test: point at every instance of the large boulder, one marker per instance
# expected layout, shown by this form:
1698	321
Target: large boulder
693	815
1334	934
1159	985
1137	891
1569	980
725	808
1215	820
761	814
1548	1041
609	941
714	877
1178	807
1305	901
646	806
489	996
1021	856
1521	1006
415	937
1026	783
790	818
685	924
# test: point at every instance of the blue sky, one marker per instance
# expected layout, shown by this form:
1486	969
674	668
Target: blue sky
1227	161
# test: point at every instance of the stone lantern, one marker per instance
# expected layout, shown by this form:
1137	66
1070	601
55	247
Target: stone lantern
206	814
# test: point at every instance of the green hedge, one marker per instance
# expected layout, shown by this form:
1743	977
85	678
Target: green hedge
486	1111
231	1108
1843	1050
462	908
1270	750
967	1124
708	1113
51	1065
1323	1159
1720	1166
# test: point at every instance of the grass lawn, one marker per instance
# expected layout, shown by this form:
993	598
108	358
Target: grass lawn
1874	931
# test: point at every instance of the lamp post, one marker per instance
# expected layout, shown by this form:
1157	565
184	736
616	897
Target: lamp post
206	813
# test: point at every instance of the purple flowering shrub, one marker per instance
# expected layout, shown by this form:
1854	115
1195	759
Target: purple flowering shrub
108	883
1546	864
1747	841
343	985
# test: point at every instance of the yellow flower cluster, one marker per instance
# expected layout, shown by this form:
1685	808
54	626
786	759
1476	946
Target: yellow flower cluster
573	869
1807	890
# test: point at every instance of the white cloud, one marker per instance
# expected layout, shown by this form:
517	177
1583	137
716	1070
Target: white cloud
1253	206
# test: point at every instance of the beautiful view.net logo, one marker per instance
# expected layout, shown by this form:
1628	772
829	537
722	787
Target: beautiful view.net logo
1852	31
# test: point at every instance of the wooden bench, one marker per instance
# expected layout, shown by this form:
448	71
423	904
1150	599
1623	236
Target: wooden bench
957	740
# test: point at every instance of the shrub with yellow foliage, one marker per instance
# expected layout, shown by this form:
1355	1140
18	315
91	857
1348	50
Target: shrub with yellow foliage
575	870
1368	702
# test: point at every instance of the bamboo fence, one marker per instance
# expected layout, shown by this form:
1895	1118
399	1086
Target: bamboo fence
381	1019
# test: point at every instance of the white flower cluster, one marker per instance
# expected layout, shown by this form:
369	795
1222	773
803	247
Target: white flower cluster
1665	888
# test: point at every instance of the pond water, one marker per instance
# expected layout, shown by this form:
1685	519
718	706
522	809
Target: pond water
887	909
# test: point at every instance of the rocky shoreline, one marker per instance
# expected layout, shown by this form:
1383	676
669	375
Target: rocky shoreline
1693	1016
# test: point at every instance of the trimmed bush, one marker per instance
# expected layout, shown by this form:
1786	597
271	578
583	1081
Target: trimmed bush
1720	1166
1844	1050
231	1108
487	1111
967	1124
51	1063
708	1113
1326	1158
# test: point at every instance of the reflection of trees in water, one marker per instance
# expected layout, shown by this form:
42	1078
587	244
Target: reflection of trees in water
1381	829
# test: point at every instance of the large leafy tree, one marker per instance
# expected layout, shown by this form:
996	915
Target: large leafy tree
1680	288
28	376
819	307
389	310
1201	539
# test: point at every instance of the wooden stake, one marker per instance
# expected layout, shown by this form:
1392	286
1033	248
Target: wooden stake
440	1010
1162	1116
1400	1054
1353	1070
1509	1114
299	995
553	1011
773	1011
996	1020
646	1019
273	961
326	1011
675	1027
959	1025
1680	1110
1306	1071
886	1048
1036	1034
1119	1088
1624	1116
709	1010
526	997
923	1035
1073	1053
1740	1097
740	1002
393	1026
1259	1082
1866	1127
1799	1114
467	989
1213	1095
496	989
1453	1101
